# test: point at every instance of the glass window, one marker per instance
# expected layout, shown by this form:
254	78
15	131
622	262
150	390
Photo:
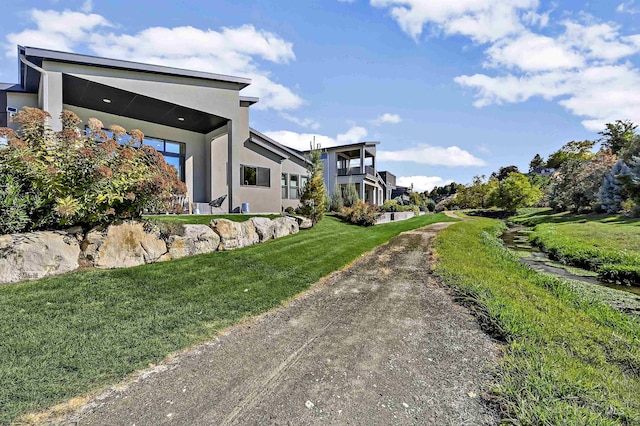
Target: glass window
285	186
173	147
294	187
255	176
175	162
3	142
303	182
156	143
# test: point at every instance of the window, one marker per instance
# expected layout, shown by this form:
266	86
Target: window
285	186
294	187
303	182
255	176
173	152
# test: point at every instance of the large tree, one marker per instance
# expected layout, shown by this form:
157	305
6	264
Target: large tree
476	194
514	192
612	192
536	163
504	172
617	136
574	150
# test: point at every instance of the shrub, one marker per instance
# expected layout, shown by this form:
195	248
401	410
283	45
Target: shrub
312	200
390	206
430	205
361	213
336	200
350	196
68	178
290	210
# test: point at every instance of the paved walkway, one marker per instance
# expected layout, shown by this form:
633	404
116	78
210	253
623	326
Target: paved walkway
378	343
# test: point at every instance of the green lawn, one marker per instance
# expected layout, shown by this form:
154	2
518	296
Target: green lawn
569	359
65	336
608	245
205	219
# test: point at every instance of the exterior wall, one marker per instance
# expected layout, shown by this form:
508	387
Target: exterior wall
291	167
219	166
19	101
260	199
196	154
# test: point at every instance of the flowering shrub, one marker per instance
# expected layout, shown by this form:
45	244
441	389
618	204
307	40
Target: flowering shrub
361	213
54	179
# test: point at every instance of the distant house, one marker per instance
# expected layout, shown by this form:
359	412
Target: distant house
389	180
354	163
197	120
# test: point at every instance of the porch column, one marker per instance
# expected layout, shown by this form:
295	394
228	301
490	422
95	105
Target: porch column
362	160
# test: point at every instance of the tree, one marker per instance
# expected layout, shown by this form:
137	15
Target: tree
574	150
313	195
350	195
476	195
514	192
612	192
617	136
336	199
536	163
504	172
632	149
577	185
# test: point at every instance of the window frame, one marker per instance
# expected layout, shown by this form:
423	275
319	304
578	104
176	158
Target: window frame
293	196
284	195
256	185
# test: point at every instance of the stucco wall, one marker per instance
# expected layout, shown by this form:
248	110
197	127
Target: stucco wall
20	100
291	167
196	155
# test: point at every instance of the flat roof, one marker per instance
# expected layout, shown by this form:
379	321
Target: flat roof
57	56
290	151
351	145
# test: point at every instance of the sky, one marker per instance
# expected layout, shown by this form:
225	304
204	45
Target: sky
451	89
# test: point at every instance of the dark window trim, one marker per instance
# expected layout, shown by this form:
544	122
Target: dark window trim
181	156
285	186
242	166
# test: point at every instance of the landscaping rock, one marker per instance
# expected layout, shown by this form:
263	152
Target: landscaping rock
235	235
284	226
264	227
303	222
122	246
37	254
197	239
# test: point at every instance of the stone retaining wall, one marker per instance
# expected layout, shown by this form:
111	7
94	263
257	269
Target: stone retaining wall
39	254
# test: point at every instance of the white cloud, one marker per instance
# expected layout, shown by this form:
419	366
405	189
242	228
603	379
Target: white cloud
422	183
87	6
386	118
433	155
481	20
628	7
234	51
301	141
302	122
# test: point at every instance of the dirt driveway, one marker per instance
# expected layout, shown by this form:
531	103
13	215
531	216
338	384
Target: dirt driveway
378	343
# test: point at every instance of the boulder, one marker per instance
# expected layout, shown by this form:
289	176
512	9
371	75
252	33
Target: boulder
235	235
37	254
284	226
264	227
201	238
303	222
197	239
121	246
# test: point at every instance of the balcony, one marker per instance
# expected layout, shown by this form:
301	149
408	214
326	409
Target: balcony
356	171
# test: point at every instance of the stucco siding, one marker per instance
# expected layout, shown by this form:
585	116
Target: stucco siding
19	101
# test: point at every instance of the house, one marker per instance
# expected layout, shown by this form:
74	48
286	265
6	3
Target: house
199	121
389	180
354	163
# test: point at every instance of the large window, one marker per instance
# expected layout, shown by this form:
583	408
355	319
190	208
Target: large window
294	187
255	176
173	152
284	183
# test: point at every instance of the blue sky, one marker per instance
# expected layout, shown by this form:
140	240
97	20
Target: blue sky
451	89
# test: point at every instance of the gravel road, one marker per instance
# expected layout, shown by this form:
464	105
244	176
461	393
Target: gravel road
377	343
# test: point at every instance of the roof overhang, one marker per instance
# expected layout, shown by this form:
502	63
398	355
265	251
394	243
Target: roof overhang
38	56
247	101
277	145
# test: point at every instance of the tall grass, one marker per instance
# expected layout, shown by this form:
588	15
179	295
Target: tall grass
569	359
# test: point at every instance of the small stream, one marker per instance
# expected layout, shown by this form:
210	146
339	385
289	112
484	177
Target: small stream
623	297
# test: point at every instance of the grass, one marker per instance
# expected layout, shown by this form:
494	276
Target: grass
608	245
569	358
65	336
205	219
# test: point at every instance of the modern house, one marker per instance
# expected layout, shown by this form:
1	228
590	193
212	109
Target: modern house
354	163
389	180
199	121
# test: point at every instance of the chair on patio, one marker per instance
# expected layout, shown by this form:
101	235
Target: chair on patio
217	203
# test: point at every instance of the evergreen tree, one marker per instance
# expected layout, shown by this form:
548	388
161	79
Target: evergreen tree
612	192
336	199
536	163
313	195
350	196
